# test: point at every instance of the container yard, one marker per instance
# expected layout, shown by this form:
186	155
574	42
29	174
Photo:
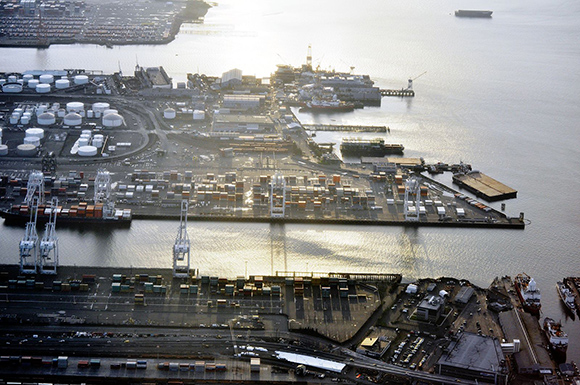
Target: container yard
61	22
137	323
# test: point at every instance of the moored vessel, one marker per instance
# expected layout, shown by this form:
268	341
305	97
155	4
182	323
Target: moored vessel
77	214
368	147
557	338
528	293
317	105
472	13
566	296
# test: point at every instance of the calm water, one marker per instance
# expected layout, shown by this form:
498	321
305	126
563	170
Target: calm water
502	94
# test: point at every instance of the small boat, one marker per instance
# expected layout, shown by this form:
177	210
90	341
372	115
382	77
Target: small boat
557	338
566	296
528	292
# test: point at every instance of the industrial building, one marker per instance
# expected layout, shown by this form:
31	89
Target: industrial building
231	78
474	357
374	346
242	123
243	102
464	295
431	308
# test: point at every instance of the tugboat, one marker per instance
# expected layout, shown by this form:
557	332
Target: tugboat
557	338
528	293
567	297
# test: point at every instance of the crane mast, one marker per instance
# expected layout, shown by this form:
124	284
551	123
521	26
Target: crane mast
412	208
103	193
277	196
29	244
35	187
48	258
181	248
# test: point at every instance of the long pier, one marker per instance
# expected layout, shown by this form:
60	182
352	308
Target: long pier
340	127
401	93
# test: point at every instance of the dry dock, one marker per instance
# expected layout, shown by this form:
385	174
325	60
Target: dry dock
484	186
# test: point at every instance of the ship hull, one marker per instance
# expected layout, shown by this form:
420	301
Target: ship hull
16	219
571	308
532	309
558	351
473	13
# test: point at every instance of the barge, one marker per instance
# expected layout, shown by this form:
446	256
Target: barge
472	13
484	186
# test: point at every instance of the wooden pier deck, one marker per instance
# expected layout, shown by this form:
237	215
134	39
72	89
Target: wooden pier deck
485	186
341	127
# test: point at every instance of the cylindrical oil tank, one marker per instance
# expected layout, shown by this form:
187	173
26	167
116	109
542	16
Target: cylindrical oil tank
169	113
32	83
14	118
46	79
101	106
73	119
12	88
62	83
90	114
81	79
75	106
110	111
61	113
97	142
12	79
86	132
87	151
3	150
27	78
46	119
43	88
41	109
113	120
32	140
198	115
26	150
35	132
25	120
18	111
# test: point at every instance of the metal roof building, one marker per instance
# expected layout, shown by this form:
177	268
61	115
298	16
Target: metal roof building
474	357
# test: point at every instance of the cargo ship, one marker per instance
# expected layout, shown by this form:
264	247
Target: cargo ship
472	13
82	213
567	297
557	338
528	293
327	106
368	147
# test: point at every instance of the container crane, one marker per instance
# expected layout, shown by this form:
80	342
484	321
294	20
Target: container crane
277	196
35	187
412	209
29	244
181	248
103	192
48	258
410	85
